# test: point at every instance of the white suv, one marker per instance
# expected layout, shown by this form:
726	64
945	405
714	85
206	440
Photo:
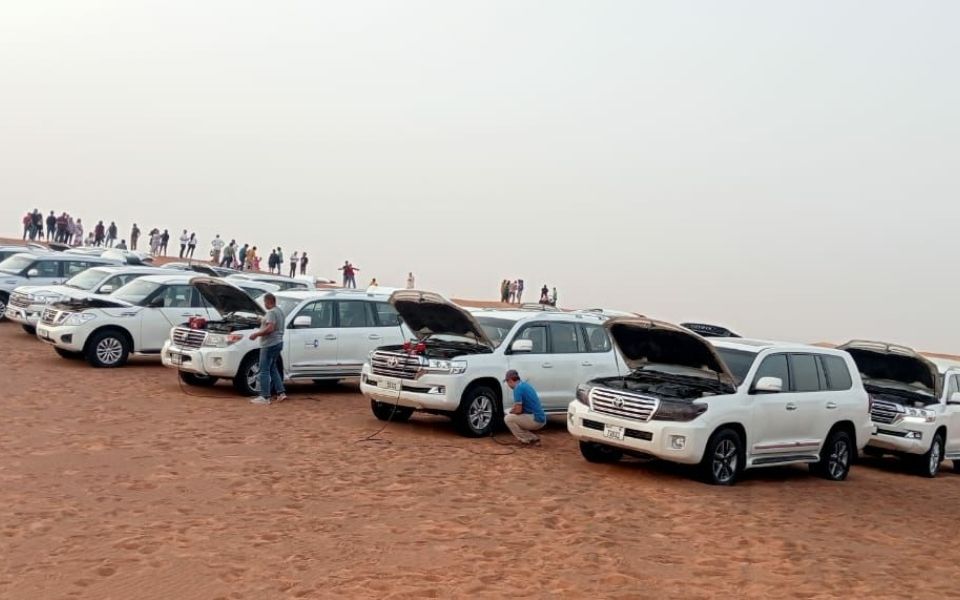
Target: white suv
916	410
135	319
328	335
457	364
42	268
725	404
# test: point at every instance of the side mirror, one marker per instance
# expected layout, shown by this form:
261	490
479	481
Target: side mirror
106	289
302	322
157	302
522	346
954	398
769	385
33	273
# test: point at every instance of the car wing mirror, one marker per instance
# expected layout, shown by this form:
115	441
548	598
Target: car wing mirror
768	385
106	289
954	398
302	322
33	273
522	346
156	302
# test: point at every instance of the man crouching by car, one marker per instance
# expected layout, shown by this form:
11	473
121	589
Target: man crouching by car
527	414
271	344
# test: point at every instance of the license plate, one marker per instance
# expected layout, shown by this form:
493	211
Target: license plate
392	385
43	333
613	432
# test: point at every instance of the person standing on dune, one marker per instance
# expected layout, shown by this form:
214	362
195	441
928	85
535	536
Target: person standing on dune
303	263
294	261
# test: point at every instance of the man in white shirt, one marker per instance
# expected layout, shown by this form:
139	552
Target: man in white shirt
184	240
216	246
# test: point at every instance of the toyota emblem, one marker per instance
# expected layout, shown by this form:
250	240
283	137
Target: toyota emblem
618	402
393	361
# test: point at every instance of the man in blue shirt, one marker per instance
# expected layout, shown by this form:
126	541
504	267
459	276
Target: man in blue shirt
527	415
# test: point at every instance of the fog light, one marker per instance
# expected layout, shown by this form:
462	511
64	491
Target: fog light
678	442
914	435
439	390
217	362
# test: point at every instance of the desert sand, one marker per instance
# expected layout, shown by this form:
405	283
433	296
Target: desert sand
116	484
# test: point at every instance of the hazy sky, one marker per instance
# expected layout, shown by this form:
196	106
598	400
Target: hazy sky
790	170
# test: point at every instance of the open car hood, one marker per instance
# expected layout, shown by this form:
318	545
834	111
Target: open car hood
224	297
645	341
883	361
429	313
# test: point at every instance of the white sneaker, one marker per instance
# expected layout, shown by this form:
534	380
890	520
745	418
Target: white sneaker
259	400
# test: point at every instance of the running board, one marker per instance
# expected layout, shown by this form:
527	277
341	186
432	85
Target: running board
793	458
952	456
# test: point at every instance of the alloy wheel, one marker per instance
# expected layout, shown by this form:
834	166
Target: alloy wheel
934	465
725	461
109	350
253	377
839	459
480	413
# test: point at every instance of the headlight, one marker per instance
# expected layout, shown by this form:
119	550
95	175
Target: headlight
919	415
79	318
583	393
451	367
670	410
44	298
221	340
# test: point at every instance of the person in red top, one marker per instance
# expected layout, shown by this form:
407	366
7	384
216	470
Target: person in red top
349	274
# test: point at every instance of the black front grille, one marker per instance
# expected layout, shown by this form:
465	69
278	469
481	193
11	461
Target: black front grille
188	339
891	432
396	364
885	412
638	435
589	424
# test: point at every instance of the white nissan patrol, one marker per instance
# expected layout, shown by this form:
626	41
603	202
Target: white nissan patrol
328	335
457	363
725	404
916	410
135	319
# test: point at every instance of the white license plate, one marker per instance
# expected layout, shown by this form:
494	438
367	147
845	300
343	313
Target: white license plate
613	432
392	385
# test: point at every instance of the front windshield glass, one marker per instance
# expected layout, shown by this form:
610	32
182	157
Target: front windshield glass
136	291
87	280
16	263
496	329
738	361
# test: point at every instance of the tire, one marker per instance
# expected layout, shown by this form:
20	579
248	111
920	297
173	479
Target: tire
389	412
723	458
246	381
928	464
68	354
956	466
4	298
477	414
108	349
196	380
600	453
835	457
29	329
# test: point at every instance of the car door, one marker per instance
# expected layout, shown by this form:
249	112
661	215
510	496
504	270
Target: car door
599	359
166	308
48	272
389	326
780	420
567	356
359	334
312	350
535	367
952	413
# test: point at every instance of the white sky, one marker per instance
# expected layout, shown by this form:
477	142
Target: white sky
787	169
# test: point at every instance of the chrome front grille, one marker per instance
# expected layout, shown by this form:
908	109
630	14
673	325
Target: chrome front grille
396	364
49	316
19	300
885	412
623	404
189	339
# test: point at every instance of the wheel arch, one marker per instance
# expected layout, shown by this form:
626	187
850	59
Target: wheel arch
740	431
127	336
850	429
490	382
256	351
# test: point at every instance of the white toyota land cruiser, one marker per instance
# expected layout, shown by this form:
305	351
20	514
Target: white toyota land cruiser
328	335
135	319
726	404
916	410
457	364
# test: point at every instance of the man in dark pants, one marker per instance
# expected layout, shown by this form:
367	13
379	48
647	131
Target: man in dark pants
270	335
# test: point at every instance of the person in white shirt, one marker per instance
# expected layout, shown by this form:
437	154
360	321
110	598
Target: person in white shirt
216	246
184	240
294	260
410	281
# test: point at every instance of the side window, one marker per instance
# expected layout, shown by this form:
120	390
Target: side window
564	338
354	314
320	313
806	378
48	268
596	338
387	316
775	365
538	335
953	385
177	296
72	267
838	376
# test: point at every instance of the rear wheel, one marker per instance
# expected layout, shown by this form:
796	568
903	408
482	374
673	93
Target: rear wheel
108	349
197	380
600	453
29	329
477	413
390	412
3	304
928	464
247	379
68	354
723	459
835	458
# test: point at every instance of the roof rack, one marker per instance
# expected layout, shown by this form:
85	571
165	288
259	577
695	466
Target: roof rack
538	306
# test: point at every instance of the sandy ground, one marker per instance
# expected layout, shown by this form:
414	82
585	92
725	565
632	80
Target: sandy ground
118	485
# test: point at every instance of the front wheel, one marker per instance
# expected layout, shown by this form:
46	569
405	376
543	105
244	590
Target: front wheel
247	379
600	453
390	412
835	458
3	305
108	349
928	465
723	459
477	413
29	329
196	380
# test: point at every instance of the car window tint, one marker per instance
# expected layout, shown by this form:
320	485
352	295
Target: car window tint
564	338
803	368
387	316
47	268
353	314
774	365
838	376
538	335
597	339
953	385
71	268
320	313
177	296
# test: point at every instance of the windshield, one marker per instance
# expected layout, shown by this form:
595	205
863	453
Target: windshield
738	361
254	293
496	329
87	280
136	291
16	263
287	305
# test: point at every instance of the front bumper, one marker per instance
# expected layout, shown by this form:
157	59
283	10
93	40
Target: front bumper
430	392
25	315
212	362
903	437
69	338
653	438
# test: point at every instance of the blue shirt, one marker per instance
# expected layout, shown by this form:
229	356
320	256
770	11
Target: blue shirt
527	396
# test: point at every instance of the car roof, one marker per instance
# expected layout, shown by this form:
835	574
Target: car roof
168	279
522	315
301	294
112	269
755	346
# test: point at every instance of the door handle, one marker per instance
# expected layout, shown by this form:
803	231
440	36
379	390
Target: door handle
831	405
188	315
374	336
791	406
330	337
547	365
586	364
